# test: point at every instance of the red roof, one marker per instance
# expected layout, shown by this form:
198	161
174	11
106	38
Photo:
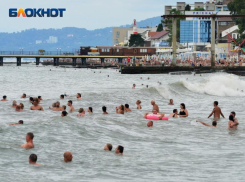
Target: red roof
159	34
151	34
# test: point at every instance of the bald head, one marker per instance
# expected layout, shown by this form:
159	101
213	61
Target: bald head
150	124
67	156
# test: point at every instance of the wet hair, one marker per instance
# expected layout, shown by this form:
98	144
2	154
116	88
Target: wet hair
151	123
64	113
39	97
122	106
64	106
138	101
175	110
14	102
109	146
21	105
70	101
35	99
18	107
33	157
57	102
127	106
231	118
216	103
30	134
24	95
120	148
4	97
233	112
104	108
62	96
91	109
31	99
214	123
21	122
183	105
79	94
54	104
80	110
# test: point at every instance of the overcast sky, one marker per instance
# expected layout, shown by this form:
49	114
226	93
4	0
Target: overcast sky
89	14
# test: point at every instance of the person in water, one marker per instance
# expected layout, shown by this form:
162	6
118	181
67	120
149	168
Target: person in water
154	113
127	109
57	107
171	102
183	111
20	122
216	111
155	106
23	96
62	96
18	108
174	114
68	156
35	105
232	124
214	124
150	124
81	112
134	86
29	141
119	150
14	104
104	110
108	147
120	109
234	116
21	106
69	103
138	102
33	160
4	98
40	98
64	107
31	100
79	96
90	110
64	113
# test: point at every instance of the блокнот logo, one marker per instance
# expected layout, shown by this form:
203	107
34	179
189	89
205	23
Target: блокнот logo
33	12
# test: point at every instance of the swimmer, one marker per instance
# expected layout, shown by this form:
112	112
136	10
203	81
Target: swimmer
68	156
31	100
104	110
21	106
150	124
155	106
134	86
171	102
62	96
64	107
216	111
183	111
14	104
18	108
20	122
79	96
23	96
81	112
141	78
234	116
58	108
40	98
69	103
214	124
119	150
155	113
120	109
33	160
4	98
108	147
29	141
35	105
53	106
90	110
232	124
138	102
174	114
64	113
127	109
148	78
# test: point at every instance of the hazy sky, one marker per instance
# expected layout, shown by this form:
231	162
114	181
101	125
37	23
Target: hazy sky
89	14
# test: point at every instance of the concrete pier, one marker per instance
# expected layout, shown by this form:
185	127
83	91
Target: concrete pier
83	61
18	61
74	61
56	61
37	61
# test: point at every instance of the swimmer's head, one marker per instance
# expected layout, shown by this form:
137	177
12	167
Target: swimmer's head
216	103
64	113
29	136
80	110
39	97
21	106
171	101
54	104
68	156
62	96
64	106
14	103
4	97
150	124
233	113
104	108
90	109
152	102
121	107
182	106
79	95
231	118
134	85
21	122
31	99
17	108
214	123
35	101
175	111
57	104
119	149
154	111
138	102
127	106
33	158
69	103
108	147
24	95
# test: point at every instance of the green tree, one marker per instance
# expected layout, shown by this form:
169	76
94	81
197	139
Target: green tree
136	40
187	7
160	28
237	7
199	9
168	24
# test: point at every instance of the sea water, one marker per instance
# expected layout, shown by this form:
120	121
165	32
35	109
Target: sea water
176	150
